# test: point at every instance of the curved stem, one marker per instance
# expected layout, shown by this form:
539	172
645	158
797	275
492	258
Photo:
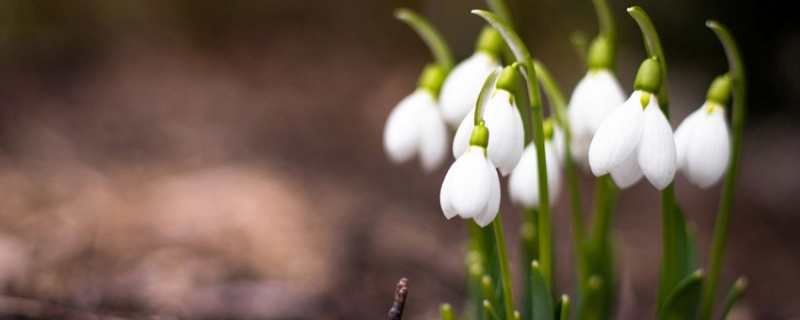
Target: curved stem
653	45
736	72
503	9
435	41
559	108
505	268
608	28
529	73
580	43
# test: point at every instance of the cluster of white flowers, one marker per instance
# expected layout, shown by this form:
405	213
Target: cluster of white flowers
628	139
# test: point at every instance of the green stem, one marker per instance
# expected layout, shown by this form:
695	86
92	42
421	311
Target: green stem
653	45
505	268
559	108
503	10
435	41
736	72
608	28
580	43
524	59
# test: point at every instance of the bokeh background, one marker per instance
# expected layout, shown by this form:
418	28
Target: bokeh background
223	159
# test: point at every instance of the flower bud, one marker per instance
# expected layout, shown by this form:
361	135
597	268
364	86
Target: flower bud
508	80
490	41
648	78
600	55
432	78
480	136
720	90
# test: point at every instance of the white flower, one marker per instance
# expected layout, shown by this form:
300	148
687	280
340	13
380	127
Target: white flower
416	127
703	145
507	137
523	184
632	139
595	96
463	85
471	188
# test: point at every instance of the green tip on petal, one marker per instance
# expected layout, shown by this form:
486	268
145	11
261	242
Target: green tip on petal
549	128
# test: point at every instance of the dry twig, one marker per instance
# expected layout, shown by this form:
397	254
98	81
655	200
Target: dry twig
396	313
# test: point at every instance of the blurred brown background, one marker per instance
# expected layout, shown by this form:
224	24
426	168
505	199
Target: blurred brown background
223	159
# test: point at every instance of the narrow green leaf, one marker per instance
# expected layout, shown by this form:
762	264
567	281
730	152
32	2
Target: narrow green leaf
491	314
562	308
488	288
736	292
541	298
686	254
446	312
683	302
591	302
486	93
432	37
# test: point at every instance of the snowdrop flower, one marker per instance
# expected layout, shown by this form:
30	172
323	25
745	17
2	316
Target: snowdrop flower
593	99
415	126
636	139
462	87
471	188
504	121
703	139
523	184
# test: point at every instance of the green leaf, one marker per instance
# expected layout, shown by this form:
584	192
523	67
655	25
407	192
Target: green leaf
541	298
486	93
562	308
446	312
686	254
435	41
736	292
683	302
590	304
490	311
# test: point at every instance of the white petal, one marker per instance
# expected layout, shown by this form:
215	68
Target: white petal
656	150
558	143
523	184
402	127
493	206
471	189
628	173
506	132
463	85
594	98
709	150
684	134
617	136
445	198
463	133
433	139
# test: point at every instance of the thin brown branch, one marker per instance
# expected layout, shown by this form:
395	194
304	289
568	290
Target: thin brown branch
396	313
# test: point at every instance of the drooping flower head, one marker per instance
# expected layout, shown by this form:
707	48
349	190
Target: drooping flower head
703	138
504	121
471	188
463	85
523	184
636	139
415	126
593	99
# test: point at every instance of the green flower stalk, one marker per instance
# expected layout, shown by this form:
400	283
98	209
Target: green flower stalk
737	74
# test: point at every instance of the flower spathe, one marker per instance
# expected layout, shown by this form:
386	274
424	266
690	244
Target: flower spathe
415	127
593	99
471	188
462	86
635	141
523	184
703	145
508	134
